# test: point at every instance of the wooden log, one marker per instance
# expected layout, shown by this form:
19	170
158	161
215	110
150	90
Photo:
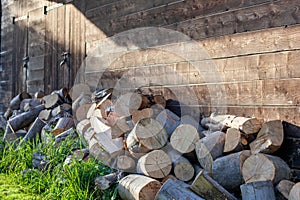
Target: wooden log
82	126
62	125
127	102
208	188
78	90
126	163
156	164
227	170
88	135
106	181
168	120
28	104
105	107
34	131
91	110
141	114
52	100
184	138
81	112
283	188
82	99
25	119
111	146
63	94
295	192
138	187
244	124
39	94
269	138
210	148
263	167
187	119
149	133
258	190
62	136
62	110
16	101
98	125
97	151
160	100
234	141
45	115
175	189
8	113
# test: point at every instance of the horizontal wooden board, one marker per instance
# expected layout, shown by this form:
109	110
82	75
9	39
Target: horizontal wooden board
278	13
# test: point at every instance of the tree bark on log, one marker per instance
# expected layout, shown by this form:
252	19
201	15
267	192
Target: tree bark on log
62	125
283	189
168	120
138	187
175	189
227	170
208	188
23	120
16	101
160	100
263	167
34	130
156	164
62	136
258	190
184	138
28	104
106	181
210	148
269	138
295	192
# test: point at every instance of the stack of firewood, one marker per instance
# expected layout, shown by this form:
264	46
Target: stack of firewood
166	156
32	116
160	154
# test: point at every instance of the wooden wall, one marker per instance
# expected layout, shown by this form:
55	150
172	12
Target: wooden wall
254	46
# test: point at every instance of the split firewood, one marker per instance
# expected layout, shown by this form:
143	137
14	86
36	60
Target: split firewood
182	168
62	125
210	148
141	114
283	189
138	187
258	190
269	138
184	138
45	115
91	110
127	102
39	94
23	120
82	126
156	164
28	104
52	100
227	170
106	181
175	189
187	119
88	135
98	125
63	94
97	151
234	141
33	131
160	100
16	101
295	192
208	188
111	146
105	107
263	167
82	111
149	133
169	120
126	163
82	99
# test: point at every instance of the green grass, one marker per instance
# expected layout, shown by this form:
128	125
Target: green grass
74	181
